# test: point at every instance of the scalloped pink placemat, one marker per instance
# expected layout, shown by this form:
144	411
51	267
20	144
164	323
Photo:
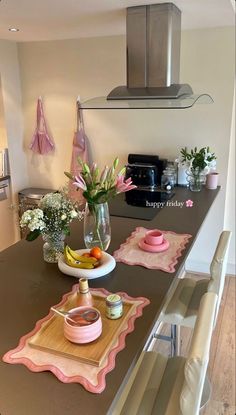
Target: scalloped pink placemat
130	253
71	371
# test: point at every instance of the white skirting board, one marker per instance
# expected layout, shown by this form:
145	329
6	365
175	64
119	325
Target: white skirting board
203	267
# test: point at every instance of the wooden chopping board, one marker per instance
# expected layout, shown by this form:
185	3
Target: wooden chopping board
50	338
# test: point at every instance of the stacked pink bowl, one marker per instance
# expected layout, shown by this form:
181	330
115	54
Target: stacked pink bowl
82	331
154	241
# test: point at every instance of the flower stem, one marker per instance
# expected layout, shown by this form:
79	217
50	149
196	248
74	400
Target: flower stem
94	209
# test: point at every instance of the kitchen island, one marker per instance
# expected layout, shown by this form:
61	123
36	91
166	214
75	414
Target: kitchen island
29	287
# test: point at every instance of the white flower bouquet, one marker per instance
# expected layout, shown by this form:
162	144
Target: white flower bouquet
53	216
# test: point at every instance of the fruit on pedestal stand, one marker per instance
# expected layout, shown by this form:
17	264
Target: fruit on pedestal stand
81	258
96	252
80	262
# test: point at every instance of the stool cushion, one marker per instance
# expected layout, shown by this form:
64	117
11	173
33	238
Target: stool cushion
167	400
174	386
147	381
157	386
183	306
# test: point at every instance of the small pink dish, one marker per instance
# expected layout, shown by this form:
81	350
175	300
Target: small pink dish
153	248
85	333
154	237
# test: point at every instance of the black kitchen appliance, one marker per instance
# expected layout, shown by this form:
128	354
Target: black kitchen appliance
145	172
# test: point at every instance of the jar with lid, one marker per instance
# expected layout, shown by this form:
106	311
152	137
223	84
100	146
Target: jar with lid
171	167
167	180
114	306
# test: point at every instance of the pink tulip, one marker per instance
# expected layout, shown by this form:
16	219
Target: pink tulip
80	183
123	185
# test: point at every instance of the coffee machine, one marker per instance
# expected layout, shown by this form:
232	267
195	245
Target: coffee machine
145	172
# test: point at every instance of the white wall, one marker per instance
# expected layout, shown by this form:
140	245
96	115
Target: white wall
61	70
3	134
7	230
12	126
213	54
229	220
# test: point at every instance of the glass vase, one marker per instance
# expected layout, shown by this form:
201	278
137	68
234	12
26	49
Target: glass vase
97	229
53	246
196	179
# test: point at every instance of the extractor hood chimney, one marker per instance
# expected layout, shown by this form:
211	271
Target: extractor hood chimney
153	63
153	54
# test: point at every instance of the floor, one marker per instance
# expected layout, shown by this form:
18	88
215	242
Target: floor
221	369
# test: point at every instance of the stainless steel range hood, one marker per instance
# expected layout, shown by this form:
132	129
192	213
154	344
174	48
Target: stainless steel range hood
153	62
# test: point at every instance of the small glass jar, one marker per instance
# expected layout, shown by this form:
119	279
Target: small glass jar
167	180
53	247
172	167
114	306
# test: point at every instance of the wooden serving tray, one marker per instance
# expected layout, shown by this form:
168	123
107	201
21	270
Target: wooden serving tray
50	337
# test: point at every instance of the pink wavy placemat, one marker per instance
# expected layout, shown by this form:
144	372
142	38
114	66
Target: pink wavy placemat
71	371
130	253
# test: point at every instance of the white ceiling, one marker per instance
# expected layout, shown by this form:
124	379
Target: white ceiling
67	19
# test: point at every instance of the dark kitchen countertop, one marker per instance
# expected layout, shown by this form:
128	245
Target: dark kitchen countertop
29	286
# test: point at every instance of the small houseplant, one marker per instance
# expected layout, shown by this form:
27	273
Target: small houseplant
199	163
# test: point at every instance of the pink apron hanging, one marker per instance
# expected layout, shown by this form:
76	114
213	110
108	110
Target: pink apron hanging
41	142
80	149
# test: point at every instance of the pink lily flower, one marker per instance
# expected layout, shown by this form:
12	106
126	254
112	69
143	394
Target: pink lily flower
80	183
123	185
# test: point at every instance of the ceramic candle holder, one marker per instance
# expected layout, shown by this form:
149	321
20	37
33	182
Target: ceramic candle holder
85	333
154	237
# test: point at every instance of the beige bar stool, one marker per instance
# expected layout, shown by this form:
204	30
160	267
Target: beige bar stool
182	308
175	385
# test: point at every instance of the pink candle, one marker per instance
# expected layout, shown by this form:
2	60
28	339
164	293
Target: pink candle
212	180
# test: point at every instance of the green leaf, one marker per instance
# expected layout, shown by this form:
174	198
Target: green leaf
33	235
115	163
69	175
86	168
122	171
100	197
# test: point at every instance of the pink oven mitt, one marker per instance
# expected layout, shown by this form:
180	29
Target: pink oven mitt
41	141
79	149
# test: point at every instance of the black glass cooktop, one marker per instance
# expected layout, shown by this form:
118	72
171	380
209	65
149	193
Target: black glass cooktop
139	205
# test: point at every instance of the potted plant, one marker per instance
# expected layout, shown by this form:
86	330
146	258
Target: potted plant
199	163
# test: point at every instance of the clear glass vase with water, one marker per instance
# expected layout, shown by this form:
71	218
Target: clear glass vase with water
97	229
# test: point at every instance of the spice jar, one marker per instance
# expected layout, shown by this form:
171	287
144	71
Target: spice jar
114	306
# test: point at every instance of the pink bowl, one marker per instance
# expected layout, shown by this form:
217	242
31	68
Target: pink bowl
154	248
154	237
82	334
